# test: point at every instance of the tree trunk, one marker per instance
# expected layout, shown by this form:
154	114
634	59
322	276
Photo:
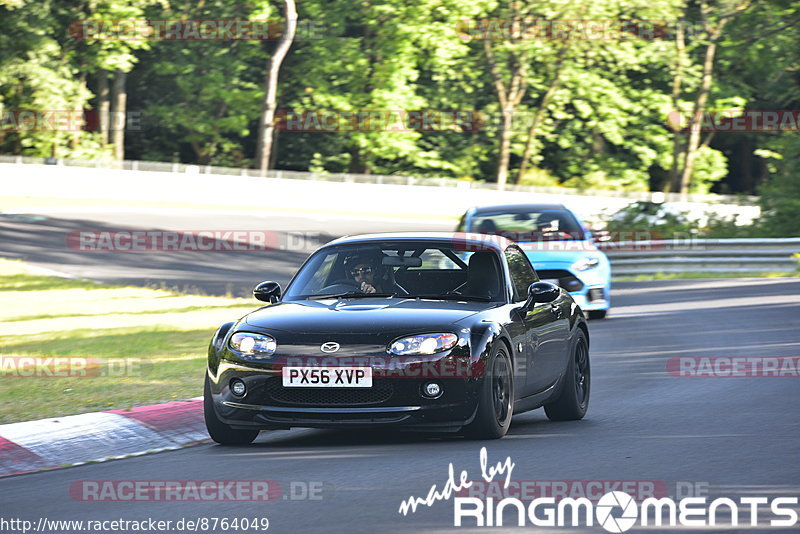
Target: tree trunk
103	104
120	98
76	135
534	131
509	98
357	163
505	148
273	156
673	182
715	32
266	124
697	115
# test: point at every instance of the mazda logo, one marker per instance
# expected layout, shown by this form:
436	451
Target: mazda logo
330	346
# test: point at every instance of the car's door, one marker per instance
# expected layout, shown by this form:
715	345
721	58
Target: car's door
545	325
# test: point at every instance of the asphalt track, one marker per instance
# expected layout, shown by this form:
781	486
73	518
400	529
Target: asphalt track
42	238
722	436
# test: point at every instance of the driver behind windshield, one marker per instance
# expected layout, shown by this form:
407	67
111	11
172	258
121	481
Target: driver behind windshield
364	270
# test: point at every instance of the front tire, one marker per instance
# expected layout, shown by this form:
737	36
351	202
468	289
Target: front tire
219	431
573	400
597	314
496	401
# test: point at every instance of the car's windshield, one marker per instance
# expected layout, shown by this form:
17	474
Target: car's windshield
408	269
525	226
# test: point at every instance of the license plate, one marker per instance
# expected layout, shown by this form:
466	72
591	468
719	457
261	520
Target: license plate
327	377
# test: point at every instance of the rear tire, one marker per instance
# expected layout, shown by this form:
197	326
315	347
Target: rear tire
597	314
496	401
219	431
573	400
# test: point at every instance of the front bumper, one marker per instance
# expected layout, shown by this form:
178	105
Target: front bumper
591	289
592	298
392	400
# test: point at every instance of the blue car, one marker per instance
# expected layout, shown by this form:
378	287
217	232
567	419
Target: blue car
557	243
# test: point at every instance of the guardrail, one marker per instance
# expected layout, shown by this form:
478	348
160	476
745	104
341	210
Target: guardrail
703	255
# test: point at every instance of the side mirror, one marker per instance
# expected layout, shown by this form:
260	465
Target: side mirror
268	292
541	292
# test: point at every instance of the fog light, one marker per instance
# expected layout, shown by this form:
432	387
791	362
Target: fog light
238	388
432	390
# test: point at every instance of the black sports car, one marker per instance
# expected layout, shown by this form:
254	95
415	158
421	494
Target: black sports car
428	331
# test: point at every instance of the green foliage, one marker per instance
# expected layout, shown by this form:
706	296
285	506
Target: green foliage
539	177
709	167
44	67
199	99
780	201
662	222
601	127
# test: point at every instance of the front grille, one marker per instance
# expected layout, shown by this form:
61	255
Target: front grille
305	418
377	394
565	279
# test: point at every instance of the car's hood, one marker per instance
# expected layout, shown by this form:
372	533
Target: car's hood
362	316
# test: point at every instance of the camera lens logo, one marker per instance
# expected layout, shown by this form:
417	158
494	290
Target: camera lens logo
607	504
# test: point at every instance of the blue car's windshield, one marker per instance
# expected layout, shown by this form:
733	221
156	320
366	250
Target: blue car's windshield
525	226
416	270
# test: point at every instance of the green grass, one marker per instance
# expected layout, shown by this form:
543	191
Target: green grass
145	345
687	276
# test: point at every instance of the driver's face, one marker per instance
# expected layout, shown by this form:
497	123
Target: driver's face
363	272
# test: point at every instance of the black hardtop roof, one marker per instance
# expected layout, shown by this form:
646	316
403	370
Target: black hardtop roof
495	242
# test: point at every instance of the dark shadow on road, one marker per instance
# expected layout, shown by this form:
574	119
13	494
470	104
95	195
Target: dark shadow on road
47	242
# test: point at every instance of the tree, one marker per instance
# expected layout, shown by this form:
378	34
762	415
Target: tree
200	99
714	19
119	108
510	85
541	109
266	125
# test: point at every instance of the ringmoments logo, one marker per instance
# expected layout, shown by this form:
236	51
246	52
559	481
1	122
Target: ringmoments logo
618	511
615	511
606	506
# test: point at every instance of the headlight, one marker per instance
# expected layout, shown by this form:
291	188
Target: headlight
584	264
423	344
256	345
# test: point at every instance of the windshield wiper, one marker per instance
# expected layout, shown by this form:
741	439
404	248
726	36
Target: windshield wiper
350	295
451	296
